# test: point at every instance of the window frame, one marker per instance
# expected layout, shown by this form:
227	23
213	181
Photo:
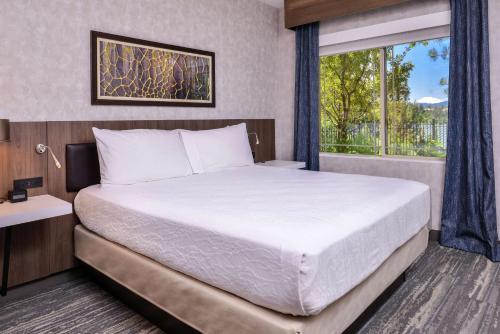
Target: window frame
406	38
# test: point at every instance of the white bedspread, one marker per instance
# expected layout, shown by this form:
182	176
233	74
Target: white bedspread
289	240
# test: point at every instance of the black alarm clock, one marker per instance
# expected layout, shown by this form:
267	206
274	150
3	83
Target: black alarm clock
18	195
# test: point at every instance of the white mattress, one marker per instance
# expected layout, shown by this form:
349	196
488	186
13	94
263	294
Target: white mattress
289	240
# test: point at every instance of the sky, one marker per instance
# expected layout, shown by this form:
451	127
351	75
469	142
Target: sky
424	80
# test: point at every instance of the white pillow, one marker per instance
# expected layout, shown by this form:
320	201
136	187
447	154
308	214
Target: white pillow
210	150
132	156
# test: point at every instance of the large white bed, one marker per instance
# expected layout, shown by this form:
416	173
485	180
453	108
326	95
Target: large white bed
289	240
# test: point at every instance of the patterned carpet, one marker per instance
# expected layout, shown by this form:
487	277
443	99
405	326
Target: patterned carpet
79	306
447	291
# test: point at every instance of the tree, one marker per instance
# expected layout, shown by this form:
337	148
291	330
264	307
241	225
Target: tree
398	73
350	90
350	101
444	54
398	90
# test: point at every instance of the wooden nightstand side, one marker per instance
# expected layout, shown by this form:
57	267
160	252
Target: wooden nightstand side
34	209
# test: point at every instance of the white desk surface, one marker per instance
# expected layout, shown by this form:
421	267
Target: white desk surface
284	164
35	208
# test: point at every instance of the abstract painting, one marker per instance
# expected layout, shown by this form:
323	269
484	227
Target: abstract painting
129	71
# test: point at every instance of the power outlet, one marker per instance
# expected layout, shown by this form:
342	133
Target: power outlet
34	182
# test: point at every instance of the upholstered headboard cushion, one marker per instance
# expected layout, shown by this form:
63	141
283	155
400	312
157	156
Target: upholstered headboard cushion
82	166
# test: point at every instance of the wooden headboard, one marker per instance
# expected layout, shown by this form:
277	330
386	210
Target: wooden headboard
42	249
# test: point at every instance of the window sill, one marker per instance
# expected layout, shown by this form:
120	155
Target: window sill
427	160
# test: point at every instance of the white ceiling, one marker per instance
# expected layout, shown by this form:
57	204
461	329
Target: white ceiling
274	3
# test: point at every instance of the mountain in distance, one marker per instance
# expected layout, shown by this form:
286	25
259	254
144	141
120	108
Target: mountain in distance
432	102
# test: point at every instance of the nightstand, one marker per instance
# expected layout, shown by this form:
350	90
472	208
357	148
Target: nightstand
284	164
35	208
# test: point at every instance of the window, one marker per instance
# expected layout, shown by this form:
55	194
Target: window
387	101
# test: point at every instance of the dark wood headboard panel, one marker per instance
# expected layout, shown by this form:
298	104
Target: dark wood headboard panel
82	166
59	134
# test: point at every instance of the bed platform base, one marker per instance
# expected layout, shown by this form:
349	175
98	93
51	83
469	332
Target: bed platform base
169	324
210	310
154	314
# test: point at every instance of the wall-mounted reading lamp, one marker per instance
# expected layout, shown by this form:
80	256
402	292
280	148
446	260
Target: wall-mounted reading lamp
257	142
41	148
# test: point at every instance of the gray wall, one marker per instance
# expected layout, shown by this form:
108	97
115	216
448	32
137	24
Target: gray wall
45	57
44	72
430	172
286	89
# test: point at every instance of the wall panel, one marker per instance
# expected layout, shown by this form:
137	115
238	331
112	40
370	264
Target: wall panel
18	159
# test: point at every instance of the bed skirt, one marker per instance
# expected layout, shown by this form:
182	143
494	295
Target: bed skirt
211	310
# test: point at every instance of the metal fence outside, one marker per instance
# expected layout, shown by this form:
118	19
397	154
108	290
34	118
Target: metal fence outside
417	139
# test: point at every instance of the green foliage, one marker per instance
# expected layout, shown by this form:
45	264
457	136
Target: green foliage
444	54
435	54
432	148
365	143
361	140
350	101
444	82
350	90
398	73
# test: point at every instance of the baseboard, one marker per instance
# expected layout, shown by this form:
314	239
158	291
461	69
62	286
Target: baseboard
434	235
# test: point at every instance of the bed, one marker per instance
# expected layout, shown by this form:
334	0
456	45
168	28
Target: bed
256	249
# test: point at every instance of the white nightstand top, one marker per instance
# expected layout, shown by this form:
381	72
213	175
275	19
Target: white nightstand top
284	164
35	208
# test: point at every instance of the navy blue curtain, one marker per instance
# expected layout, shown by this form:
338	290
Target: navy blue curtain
469	211
306	145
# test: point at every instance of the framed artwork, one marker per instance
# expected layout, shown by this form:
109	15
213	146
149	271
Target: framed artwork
130	71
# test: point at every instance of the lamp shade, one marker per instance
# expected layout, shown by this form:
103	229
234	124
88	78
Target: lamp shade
4	130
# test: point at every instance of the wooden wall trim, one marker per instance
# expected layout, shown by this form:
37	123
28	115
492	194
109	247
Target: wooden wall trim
299	12
18	158
30	242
